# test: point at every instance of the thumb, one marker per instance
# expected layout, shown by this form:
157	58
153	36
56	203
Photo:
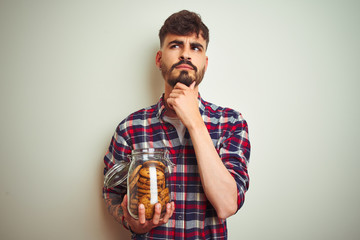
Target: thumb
124	202
192	85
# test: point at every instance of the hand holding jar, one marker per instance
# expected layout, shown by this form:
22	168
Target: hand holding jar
143	225
147	203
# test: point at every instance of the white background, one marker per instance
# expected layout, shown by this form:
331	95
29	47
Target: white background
70	71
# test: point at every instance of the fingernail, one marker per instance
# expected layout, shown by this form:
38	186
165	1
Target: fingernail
141	206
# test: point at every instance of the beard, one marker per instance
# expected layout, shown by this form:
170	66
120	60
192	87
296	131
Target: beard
184	76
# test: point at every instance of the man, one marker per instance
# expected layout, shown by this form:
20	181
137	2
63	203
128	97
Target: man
208	144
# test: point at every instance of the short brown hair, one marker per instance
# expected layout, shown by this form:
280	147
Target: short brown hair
184	23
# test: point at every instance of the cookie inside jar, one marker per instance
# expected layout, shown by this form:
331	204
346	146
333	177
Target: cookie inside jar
147	184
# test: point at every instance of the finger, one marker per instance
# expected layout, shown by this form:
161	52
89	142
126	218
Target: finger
157	213
124	203
168	213
172	207
170	103
125	209
141	211
180	85
192	86
179	91
124	199
175	94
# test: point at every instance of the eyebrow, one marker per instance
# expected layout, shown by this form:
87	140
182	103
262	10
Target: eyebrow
193	44
176	42
198	45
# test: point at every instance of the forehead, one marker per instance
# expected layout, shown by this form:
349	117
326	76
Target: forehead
192	38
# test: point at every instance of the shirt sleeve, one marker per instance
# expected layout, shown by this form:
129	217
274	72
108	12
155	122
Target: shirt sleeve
235	154
117	152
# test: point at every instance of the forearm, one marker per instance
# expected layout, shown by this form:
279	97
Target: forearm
114	207
219	186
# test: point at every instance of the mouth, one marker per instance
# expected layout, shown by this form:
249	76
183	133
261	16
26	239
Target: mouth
184	67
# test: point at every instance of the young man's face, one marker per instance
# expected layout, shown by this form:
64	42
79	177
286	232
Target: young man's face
182	59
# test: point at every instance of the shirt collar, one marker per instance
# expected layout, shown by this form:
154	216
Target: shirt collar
160	107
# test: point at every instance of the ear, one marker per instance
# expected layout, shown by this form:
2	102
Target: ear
158	58
206	64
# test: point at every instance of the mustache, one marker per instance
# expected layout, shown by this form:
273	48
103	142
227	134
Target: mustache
183	62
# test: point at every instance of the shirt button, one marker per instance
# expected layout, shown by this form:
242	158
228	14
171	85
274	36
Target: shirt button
180	155
180	217
179	187
171	128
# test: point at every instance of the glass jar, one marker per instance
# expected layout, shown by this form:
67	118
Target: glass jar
147	176
147	180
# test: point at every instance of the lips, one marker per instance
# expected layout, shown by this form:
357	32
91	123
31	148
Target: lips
184	66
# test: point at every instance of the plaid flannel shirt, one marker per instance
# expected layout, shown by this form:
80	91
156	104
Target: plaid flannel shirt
194	216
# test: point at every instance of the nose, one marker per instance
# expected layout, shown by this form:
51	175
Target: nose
185	54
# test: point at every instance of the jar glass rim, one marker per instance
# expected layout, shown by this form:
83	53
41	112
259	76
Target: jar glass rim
148	151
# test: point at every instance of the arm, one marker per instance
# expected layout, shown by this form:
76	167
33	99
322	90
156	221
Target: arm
117	152
114	208
219	186
218	182
116	199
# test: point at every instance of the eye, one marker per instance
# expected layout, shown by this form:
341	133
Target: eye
174	46
196	48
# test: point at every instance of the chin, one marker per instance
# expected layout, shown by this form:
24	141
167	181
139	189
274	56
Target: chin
183	78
